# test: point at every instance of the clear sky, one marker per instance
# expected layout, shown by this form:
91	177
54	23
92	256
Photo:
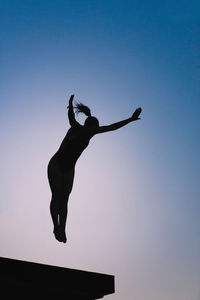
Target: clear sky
134	211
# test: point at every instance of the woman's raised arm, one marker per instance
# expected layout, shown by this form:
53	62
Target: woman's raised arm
120	124
71	115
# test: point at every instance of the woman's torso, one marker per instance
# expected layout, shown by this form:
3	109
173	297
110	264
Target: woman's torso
73	144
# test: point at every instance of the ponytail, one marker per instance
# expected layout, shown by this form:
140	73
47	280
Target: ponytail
81	108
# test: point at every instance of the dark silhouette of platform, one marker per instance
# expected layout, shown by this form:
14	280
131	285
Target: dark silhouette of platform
27	280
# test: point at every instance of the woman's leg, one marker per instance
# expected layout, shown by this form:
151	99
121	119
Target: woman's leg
68	184
54	212
56	184
61	183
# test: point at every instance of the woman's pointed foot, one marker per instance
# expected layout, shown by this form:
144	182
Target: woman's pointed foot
63	237
57	235
60	235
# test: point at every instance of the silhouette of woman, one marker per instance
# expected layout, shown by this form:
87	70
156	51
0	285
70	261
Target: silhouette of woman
62	164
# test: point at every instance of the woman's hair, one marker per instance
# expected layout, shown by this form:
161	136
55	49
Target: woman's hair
81	108
90	121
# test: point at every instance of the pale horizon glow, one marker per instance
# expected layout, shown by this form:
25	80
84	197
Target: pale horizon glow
134	211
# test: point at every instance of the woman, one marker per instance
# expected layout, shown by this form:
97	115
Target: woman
62	164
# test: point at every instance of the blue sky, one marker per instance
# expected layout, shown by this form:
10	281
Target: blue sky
134	209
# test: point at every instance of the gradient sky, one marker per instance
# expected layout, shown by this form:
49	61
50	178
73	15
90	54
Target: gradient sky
134	211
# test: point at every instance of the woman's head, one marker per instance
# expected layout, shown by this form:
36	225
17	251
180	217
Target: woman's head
91	122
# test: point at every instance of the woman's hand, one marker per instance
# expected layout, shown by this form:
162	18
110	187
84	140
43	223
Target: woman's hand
136	114
70	101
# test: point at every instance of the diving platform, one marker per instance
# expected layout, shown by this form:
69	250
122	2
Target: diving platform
28	280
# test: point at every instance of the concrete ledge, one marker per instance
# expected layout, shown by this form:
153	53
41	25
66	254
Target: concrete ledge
26	279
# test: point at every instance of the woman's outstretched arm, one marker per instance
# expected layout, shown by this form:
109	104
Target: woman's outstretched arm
120	124
71	115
